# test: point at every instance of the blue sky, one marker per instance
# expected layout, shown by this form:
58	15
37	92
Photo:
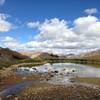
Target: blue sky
21	12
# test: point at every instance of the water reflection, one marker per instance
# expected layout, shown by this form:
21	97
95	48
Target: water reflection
74	69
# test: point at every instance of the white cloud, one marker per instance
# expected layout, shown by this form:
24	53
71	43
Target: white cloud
33	24
5	25
87	26
55	29
9	42
2	2
88	30
56	36
91	11
8	39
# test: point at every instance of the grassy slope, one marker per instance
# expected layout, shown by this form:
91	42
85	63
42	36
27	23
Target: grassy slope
9	57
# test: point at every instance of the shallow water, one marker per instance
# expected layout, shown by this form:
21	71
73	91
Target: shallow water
80	70
14	88
58	78
73	70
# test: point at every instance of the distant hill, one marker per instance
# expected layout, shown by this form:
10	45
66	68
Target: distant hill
8	57
7	54
44	55
92	55
87	57
31	54
41	55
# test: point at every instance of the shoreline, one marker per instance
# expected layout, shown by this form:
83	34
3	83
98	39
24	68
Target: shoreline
45	90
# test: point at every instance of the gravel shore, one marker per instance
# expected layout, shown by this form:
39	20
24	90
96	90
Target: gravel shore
55	92
46	91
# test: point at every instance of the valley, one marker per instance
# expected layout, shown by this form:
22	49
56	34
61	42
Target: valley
25	77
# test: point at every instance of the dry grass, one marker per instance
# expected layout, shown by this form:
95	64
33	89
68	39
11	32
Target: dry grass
95	81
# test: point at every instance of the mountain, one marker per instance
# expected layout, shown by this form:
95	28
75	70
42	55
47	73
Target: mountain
40	55
92	55
45	55
31	54
7	54
8	57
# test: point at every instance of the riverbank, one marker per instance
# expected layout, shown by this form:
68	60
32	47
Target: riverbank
11	69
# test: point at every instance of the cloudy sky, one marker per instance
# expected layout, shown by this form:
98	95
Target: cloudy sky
58	26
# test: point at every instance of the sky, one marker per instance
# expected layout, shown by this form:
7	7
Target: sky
54	26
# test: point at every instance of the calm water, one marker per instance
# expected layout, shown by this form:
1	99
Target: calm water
80	70
14	88
61	77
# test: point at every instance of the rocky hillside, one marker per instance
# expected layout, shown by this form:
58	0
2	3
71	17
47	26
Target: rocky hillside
8	57
41	55
31	54
47	56
7	54
92	55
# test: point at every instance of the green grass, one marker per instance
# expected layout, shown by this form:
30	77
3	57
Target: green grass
39	61
5	64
